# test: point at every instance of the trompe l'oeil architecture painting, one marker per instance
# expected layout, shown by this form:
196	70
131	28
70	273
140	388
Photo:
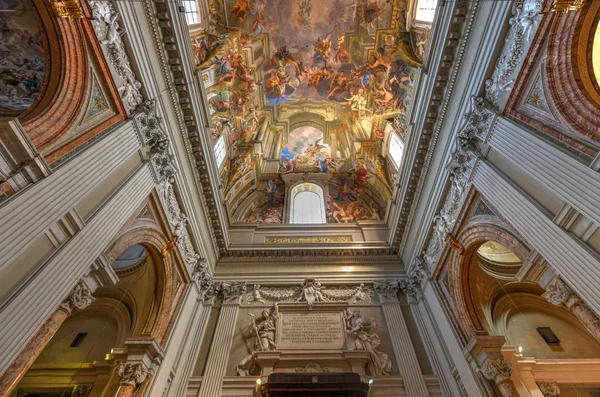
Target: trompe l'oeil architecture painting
299	198
308	92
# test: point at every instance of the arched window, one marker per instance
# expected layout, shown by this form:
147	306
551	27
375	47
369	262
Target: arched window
220	150
425	10
192	14
396	148
308	204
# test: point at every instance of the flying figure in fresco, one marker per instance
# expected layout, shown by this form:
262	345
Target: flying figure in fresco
240	9
304	13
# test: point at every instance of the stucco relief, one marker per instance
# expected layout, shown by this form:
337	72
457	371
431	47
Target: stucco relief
478	122
309	292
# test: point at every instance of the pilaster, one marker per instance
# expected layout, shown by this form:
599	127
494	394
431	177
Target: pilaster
216	365
25	311
577	265
79	298
404	352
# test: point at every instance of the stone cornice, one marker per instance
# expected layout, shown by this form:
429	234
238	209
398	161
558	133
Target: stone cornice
444	79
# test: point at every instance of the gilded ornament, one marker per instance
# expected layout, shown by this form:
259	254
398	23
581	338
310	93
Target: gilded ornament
70	9
567	5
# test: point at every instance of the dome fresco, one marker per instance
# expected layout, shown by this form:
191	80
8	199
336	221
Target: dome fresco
308	87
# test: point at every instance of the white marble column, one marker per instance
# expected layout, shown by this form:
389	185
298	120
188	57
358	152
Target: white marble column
216	365
436	350
44	203
451	343
38	297
575	263
571	180
191	343
406	358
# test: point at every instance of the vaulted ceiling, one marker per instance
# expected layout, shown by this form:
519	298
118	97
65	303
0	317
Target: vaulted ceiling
307	91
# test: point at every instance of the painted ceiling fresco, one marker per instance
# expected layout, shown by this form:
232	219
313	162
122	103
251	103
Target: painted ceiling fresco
308	91
22	56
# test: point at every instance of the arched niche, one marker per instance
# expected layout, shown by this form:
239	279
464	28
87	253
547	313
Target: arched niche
468	297
518	315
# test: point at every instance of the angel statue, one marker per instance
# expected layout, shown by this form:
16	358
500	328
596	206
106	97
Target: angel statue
362	336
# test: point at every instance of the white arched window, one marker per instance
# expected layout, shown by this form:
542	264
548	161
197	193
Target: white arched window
426	10
396	148
308	204
220	150
192	14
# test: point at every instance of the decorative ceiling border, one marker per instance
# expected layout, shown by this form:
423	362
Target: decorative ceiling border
172	67
445	78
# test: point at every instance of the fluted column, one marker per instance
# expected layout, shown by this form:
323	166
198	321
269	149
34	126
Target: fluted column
499	372
79	298
558	293
571	180
185	363
566	254
404	352
216	365
36	300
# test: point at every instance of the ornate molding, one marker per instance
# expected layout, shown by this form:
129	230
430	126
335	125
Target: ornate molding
549	389
478	122
499	372
110	32
309	292
148	124
413	286
567	5
522	29
79	298
232	293
133	374
558	293
387	290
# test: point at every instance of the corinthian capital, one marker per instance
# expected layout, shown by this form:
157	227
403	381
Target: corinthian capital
496	370
549	389
133	374
232	293
79	298
387	290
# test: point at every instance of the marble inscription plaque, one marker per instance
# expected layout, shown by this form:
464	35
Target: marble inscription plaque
311	330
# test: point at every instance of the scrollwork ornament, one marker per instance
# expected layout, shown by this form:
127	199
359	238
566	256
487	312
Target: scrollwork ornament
413	285
133	374
110	34
558	293
496	370
79	298
549	389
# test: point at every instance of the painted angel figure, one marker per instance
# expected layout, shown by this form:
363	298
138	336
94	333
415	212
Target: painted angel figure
264	328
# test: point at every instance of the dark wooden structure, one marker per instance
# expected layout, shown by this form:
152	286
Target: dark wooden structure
345	384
